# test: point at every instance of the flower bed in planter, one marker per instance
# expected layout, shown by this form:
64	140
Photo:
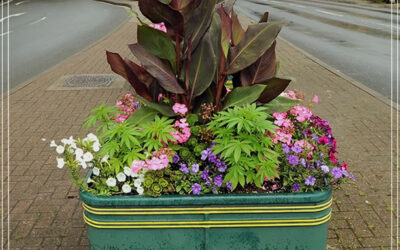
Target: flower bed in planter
186	162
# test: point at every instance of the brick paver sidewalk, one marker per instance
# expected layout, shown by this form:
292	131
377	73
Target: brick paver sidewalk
45	210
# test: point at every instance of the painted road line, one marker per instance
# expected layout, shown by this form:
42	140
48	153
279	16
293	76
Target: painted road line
22	2
6	33
13	15
6	3
38	21
326	12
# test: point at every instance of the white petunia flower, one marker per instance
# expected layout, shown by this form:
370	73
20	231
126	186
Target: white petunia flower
128	171
92	137
96	171
111	182
83	164
121	177
126	188
65	141
60	149
78	153
134	175
105	158
89	180
137	183
60	162
71	150
140	190
53	144
141	177
90	164
96	147
87	157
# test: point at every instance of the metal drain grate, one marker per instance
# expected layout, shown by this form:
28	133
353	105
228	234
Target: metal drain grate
88	81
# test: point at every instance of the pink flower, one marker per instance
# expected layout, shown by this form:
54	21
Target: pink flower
332	157
304	144
137	166
160	97
179	108
283	137
302	113
182	131
159	26
157	163
291	94
316	99
228	90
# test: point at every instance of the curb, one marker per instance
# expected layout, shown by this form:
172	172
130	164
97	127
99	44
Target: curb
349	79
29	81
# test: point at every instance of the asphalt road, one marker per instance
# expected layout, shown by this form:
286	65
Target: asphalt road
353	39
44	32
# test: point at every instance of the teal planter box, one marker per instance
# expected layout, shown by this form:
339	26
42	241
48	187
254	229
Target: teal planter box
230	221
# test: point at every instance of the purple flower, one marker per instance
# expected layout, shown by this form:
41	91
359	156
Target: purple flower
318	163
315	137
310	181
229	186
325	169
337	173
285	148
195	168
221	166
135	105
296	187
204	175
345	173
218	180
212	158
175	159
294	160
321	155
184	168
303	162
214	190
196	188
205	154
297	149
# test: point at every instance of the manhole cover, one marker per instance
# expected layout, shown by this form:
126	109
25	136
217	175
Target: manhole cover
88	81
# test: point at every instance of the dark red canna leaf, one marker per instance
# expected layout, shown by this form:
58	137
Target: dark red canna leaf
157	69
119	66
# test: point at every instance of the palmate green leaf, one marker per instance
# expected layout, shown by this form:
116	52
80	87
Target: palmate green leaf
281	104
257	39
134	154
110	148
243	95
158	43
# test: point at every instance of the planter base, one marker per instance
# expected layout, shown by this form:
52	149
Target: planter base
262	221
